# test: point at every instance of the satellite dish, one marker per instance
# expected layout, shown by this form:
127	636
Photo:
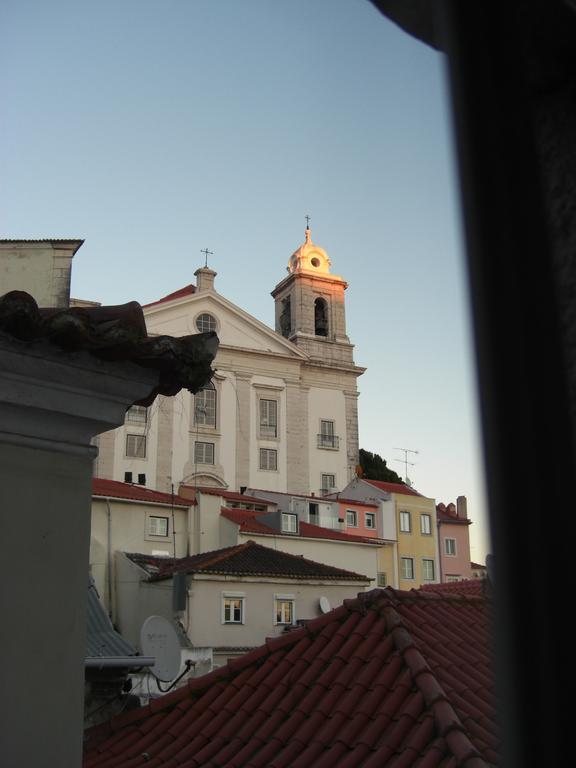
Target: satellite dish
324	604
158	638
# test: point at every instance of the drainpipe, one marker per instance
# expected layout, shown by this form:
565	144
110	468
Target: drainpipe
439	545
109	557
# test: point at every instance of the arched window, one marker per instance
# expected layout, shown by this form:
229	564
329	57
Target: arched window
205	406
320	317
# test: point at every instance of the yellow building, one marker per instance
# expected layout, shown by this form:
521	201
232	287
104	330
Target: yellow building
409	520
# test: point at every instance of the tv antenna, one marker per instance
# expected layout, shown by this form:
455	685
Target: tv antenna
406	463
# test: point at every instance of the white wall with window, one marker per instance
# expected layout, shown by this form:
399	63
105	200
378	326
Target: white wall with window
327	436
132	448
233	608
127	525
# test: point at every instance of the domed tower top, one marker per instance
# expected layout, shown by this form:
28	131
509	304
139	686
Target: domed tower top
310	305
309	258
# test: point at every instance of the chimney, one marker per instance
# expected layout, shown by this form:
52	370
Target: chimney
461	506
204	279
41	268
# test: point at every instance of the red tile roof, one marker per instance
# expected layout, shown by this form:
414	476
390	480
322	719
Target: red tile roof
249	523
117	490
249	559
387	679
461	587
393	487
188	290
449	514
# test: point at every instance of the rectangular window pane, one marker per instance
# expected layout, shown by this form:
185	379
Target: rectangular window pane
284	610
268	459
407	567
425	524
328	482
450	546
205	408
233	610
289	523
136	446
428	570
157	526
268	418
370	520
405	522
204	453
382	581
351	518
327	438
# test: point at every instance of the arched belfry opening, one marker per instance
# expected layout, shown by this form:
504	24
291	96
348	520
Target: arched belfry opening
320	317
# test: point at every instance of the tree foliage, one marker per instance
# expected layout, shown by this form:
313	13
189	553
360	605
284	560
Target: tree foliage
374	468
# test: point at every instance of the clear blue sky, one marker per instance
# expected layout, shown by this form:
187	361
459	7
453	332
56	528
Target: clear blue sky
156	128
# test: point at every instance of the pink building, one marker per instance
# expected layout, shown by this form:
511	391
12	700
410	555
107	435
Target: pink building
454	540
358	518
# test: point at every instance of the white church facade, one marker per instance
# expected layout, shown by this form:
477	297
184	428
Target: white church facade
281	411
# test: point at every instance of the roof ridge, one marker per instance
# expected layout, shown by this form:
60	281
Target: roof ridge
447	721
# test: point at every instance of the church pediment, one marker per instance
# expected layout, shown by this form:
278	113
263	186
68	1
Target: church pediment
206	310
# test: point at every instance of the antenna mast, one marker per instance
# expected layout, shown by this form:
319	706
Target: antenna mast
406	463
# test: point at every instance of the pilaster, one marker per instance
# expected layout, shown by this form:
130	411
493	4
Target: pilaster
243	429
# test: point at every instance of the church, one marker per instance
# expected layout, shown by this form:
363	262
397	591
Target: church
281	412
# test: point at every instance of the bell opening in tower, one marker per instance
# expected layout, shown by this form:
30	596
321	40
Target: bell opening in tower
320	318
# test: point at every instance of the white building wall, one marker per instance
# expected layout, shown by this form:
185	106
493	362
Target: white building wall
270	388
205	596
123	526
327	404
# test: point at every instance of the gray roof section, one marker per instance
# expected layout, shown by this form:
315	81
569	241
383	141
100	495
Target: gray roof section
102	639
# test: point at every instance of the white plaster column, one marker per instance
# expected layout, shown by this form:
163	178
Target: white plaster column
243	429
51	406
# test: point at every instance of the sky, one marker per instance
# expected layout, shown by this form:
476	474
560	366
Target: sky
153	129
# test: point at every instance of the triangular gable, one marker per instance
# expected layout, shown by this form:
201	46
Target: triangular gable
236	328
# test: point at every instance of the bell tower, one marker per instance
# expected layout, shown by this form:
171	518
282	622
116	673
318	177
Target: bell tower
310	308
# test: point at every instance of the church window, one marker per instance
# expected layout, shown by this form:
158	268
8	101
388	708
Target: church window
328	483
205	407
204	453
136	446
320	317
137	414
205	322
268	459
268	418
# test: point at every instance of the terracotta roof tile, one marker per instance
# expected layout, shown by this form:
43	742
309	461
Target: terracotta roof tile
390	679
406	490
249	523
188	290
249	559
129	491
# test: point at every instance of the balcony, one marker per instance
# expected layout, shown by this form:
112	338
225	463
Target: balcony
330	442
